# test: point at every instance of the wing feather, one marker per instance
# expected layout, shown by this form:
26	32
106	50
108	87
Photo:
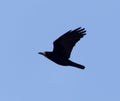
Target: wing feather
65	43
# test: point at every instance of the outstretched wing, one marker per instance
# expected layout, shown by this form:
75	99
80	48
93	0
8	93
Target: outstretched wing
65	43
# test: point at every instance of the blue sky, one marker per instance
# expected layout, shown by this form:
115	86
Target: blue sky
30	26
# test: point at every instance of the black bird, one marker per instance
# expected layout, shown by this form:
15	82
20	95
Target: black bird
63	47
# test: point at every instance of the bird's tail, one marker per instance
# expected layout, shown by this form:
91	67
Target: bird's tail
77	65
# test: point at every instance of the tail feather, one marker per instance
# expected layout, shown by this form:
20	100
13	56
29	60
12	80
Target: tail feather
77	65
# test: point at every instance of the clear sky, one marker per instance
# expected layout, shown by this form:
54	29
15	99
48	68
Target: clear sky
30	26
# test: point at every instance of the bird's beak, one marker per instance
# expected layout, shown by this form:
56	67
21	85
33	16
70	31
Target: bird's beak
42	53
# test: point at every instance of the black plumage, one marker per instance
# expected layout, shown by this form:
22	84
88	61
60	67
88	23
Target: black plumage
63	47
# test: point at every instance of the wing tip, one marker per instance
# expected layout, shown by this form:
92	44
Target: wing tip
80	29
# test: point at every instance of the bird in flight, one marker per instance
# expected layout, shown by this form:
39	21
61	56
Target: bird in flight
63	47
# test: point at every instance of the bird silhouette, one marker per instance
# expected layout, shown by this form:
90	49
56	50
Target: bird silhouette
63	47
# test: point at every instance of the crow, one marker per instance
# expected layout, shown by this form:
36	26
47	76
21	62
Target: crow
63	47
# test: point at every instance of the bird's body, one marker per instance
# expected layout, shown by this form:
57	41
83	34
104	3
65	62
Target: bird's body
56	58
63	47
60	60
